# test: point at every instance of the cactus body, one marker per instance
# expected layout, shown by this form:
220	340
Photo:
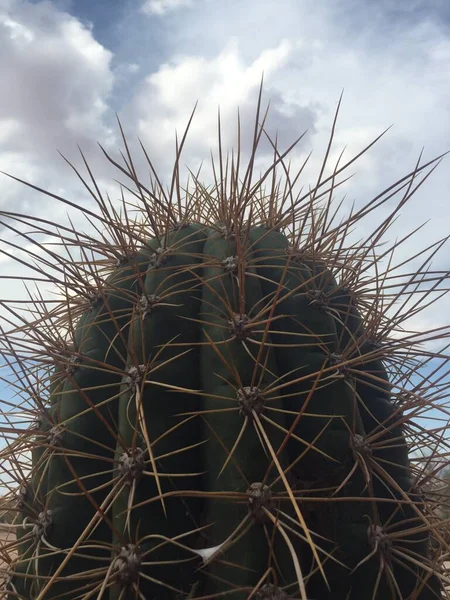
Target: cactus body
223	424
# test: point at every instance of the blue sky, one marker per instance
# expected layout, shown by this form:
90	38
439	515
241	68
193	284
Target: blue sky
67	66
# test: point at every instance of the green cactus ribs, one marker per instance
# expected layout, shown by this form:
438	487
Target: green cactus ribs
225	402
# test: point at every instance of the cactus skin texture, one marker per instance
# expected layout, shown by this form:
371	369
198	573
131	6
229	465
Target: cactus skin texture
224	417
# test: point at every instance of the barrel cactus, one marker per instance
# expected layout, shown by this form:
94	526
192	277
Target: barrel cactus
222	401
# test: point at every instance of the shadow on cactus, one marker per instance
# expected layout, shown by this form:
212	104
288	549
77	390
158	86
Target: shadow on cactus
226	401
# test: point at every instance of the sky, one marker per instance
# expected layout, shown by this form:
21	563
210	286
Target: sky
67	67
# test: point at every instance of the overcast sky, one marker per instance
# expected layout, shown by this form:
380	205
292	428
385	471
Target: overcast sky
67	66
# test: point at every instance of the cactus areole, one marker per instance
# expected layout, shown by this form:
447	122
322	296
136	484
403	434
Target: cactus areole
222	413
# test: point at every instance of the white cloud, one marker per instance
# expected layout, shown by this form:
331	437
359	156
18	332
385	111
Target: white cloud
166	97
161	7
57	82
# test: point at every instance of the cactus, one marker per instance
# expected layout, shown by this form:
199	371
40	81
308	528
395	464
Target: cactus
223	401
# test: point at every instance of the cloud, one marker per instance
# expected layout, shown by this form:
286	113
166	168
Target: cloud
57	82
161	7
165	99
58	77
